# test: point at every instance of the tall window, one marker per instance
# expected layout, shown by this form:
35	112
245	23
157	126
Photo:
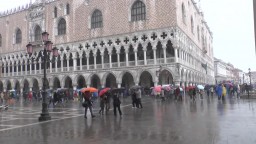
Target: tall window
0	40
96	21
62	27
38	33
67	9
138	11
18	36
183	13
192	25
55	12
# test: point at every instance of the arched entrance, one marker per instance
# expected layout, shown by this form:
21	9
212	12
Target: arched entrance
81	82
111	81
56	83
127	80
165	77
9	85
95	81
35	87
68	83
146	79
26	86
17	86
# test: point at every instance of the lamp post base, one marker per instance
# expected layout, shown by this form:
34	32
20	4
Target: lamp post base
44	117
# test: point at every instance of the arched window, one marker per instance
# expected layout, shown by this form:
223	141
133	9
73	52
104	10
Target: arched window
38	33
67	9
138	11
192	25
183	13
62	27
96	21
18	36
0	40
55	12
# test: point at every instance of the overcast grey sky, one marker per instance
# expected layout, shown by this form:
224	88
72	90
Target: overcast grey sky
231	22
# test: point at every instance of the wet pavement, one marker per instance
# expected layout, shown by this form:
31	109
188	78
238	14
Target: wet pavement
207	121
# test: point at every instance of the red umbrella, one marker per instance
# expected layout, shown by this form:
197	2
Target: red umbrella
103	91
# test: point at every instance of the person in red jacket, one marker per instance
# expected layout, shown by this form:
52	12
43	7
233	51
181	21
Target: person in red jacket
177	93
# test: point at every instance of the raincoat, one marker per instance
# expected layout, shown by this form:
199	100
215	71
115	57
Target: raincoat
224	91
219	90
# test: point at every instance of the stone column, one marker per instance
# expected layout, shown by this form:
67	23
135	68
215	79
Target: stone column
102	60
176	54
136	57
40	66
118	85
9	69
67	64
154	50
87	60
12	69
164	50
81	62
126	58
110	60
145	57
50	66
56	65
118	59
94	60
74	63
61	63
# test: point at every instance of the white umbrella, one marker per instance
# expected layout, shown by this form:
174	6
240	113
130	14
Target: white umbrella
200	87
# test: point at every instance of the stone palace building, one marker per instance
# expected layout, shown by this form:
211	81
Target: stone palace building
110	43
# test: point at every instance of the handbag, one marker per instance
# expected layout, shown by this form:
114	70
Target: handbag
85	104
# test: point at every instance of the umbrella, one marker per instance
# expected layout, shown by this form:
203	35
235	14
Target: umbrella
200	87
158	88
117	90
103	91
89	89
135	87
166	87
61	89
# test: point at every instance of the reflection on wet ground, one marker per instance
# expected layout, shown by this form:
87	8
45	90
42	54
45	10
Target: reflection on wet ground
207	121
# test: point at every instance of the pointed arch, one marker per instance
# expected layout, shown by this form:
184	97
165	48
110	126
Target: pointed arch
62	26
38	33
18	35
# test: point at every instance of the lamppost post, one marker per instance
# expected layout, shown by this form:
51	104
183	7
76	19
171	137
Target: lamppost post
47	48
243	78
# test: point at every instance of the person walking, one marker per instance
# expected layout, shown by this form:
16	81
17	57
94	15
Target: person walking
134	99
219	91
177	93
102	104
116	104
211	89
87	104
224	92
139	105
194	94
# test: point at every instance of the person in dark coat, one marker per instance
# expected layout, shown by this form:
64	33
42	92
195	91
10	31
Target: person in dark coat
116	104
87	104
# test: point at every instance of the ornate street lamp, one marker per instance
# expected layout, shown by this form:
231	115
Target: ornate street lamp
44	54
